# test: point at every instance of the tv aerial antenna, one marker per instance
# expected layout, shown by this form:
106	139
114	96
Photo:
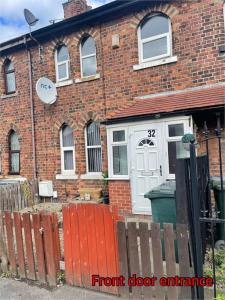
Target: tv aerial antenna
32	21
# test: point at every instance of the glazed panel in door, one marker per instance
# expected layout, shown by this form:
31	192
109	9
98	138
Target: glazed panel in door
146	165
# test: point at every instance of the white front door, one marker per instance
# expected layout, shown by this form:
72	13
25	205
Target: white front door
146	164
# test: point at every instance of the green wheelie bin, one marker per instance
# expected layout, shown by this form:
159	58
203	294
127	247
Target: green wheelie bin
164	206
163	203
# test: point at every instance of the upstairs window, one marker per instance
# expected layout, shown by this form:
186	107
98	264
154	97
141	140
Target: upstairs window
14	153
88	57
10	78
93	148
67	150
155	38
62	63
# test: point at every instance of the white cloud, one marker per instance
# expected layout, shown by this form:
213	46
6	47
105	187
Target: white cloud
12	20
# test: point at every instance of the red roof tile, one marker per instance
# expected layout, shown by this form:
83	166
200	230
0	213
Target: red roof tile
205	97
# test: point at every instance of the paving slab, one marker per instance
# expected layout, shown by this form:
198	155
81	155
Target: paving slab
16	290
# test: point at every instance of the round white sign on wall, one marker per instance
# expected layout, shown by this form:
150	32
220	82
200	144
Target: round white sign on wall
46	90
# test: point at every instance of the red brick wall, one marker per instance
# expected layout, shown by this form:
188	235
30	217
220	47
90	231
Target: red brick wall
15	114
120	196
198	30
213	151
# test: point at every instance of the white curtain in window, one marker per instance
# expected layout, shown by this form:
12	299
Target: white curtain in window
94	151
14	146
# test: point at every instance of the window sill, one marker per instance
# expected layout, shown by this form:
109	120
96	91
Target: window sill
4	96
66	176
118	178
89	78
63	83
154	63
92	177
12	177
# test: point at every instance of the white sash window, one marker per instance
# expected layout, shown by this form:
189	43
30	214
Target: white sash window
67	150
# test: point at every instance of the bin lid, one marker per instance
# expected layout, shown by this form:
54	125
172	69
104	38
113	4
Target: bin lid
216	183
166	189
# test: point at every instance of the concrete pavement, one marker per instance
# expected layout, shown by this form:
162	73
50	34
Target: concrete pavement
16	290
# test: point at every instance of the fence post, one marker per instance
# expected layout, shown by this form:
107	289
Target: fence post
181	192
3	251
195	207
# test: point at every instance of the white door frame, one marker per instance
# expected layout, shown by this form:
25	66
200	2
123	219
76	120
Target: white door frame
130	127
188	128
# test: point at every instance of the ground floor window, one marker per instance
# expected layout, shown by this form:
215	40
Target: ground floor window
93	148
67	150
176	149
14	153
118	153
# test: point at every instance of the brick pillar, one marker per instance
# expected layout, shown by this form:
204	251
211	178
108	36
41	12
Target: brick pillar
120	196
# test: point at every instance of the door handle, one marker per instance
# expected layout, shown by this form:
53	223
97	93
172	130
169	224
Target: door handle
160	170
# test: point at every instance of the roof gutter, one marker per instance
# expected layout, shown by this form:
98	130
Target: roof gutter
101	13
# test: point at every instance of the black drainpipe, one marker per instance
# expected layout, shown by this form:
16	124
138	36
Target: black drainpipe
32	110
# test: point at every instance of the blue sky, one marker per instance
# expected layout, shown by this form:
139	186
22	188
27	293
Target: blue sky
12	22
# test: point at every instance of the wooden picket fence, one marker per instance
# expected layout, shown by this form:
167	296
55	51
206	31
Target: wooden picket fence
30	246
141	253
95	242
16	196
90	244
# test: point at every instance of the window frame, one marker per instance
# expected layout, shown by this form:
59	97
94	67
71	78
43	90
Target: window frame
110	152
187	129
92	147
62	150
13	152
141	41
87	56
7	62
65	62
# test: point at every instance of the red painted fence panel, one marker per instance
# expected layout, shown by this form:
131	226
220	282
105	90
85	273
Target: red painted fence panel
76	261
90	244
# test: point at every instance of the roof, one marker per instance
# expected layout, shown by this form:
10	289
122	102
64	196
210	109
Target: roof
171	103
91	17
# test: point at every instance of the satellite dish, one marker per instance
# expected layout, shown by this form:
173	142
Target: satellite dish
30	18
46	90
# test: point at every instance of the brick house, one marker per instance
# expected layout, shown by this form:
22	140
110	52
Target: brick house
132	77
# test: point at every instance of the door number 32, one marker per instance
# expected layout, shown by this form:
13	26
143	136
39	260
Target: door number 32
151	133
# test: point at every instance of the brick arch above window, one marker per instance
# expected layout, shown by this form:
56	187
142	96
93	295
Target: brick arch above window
57	42
167	9
4	59
3	62
65	120
88	117
12	128
85	33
